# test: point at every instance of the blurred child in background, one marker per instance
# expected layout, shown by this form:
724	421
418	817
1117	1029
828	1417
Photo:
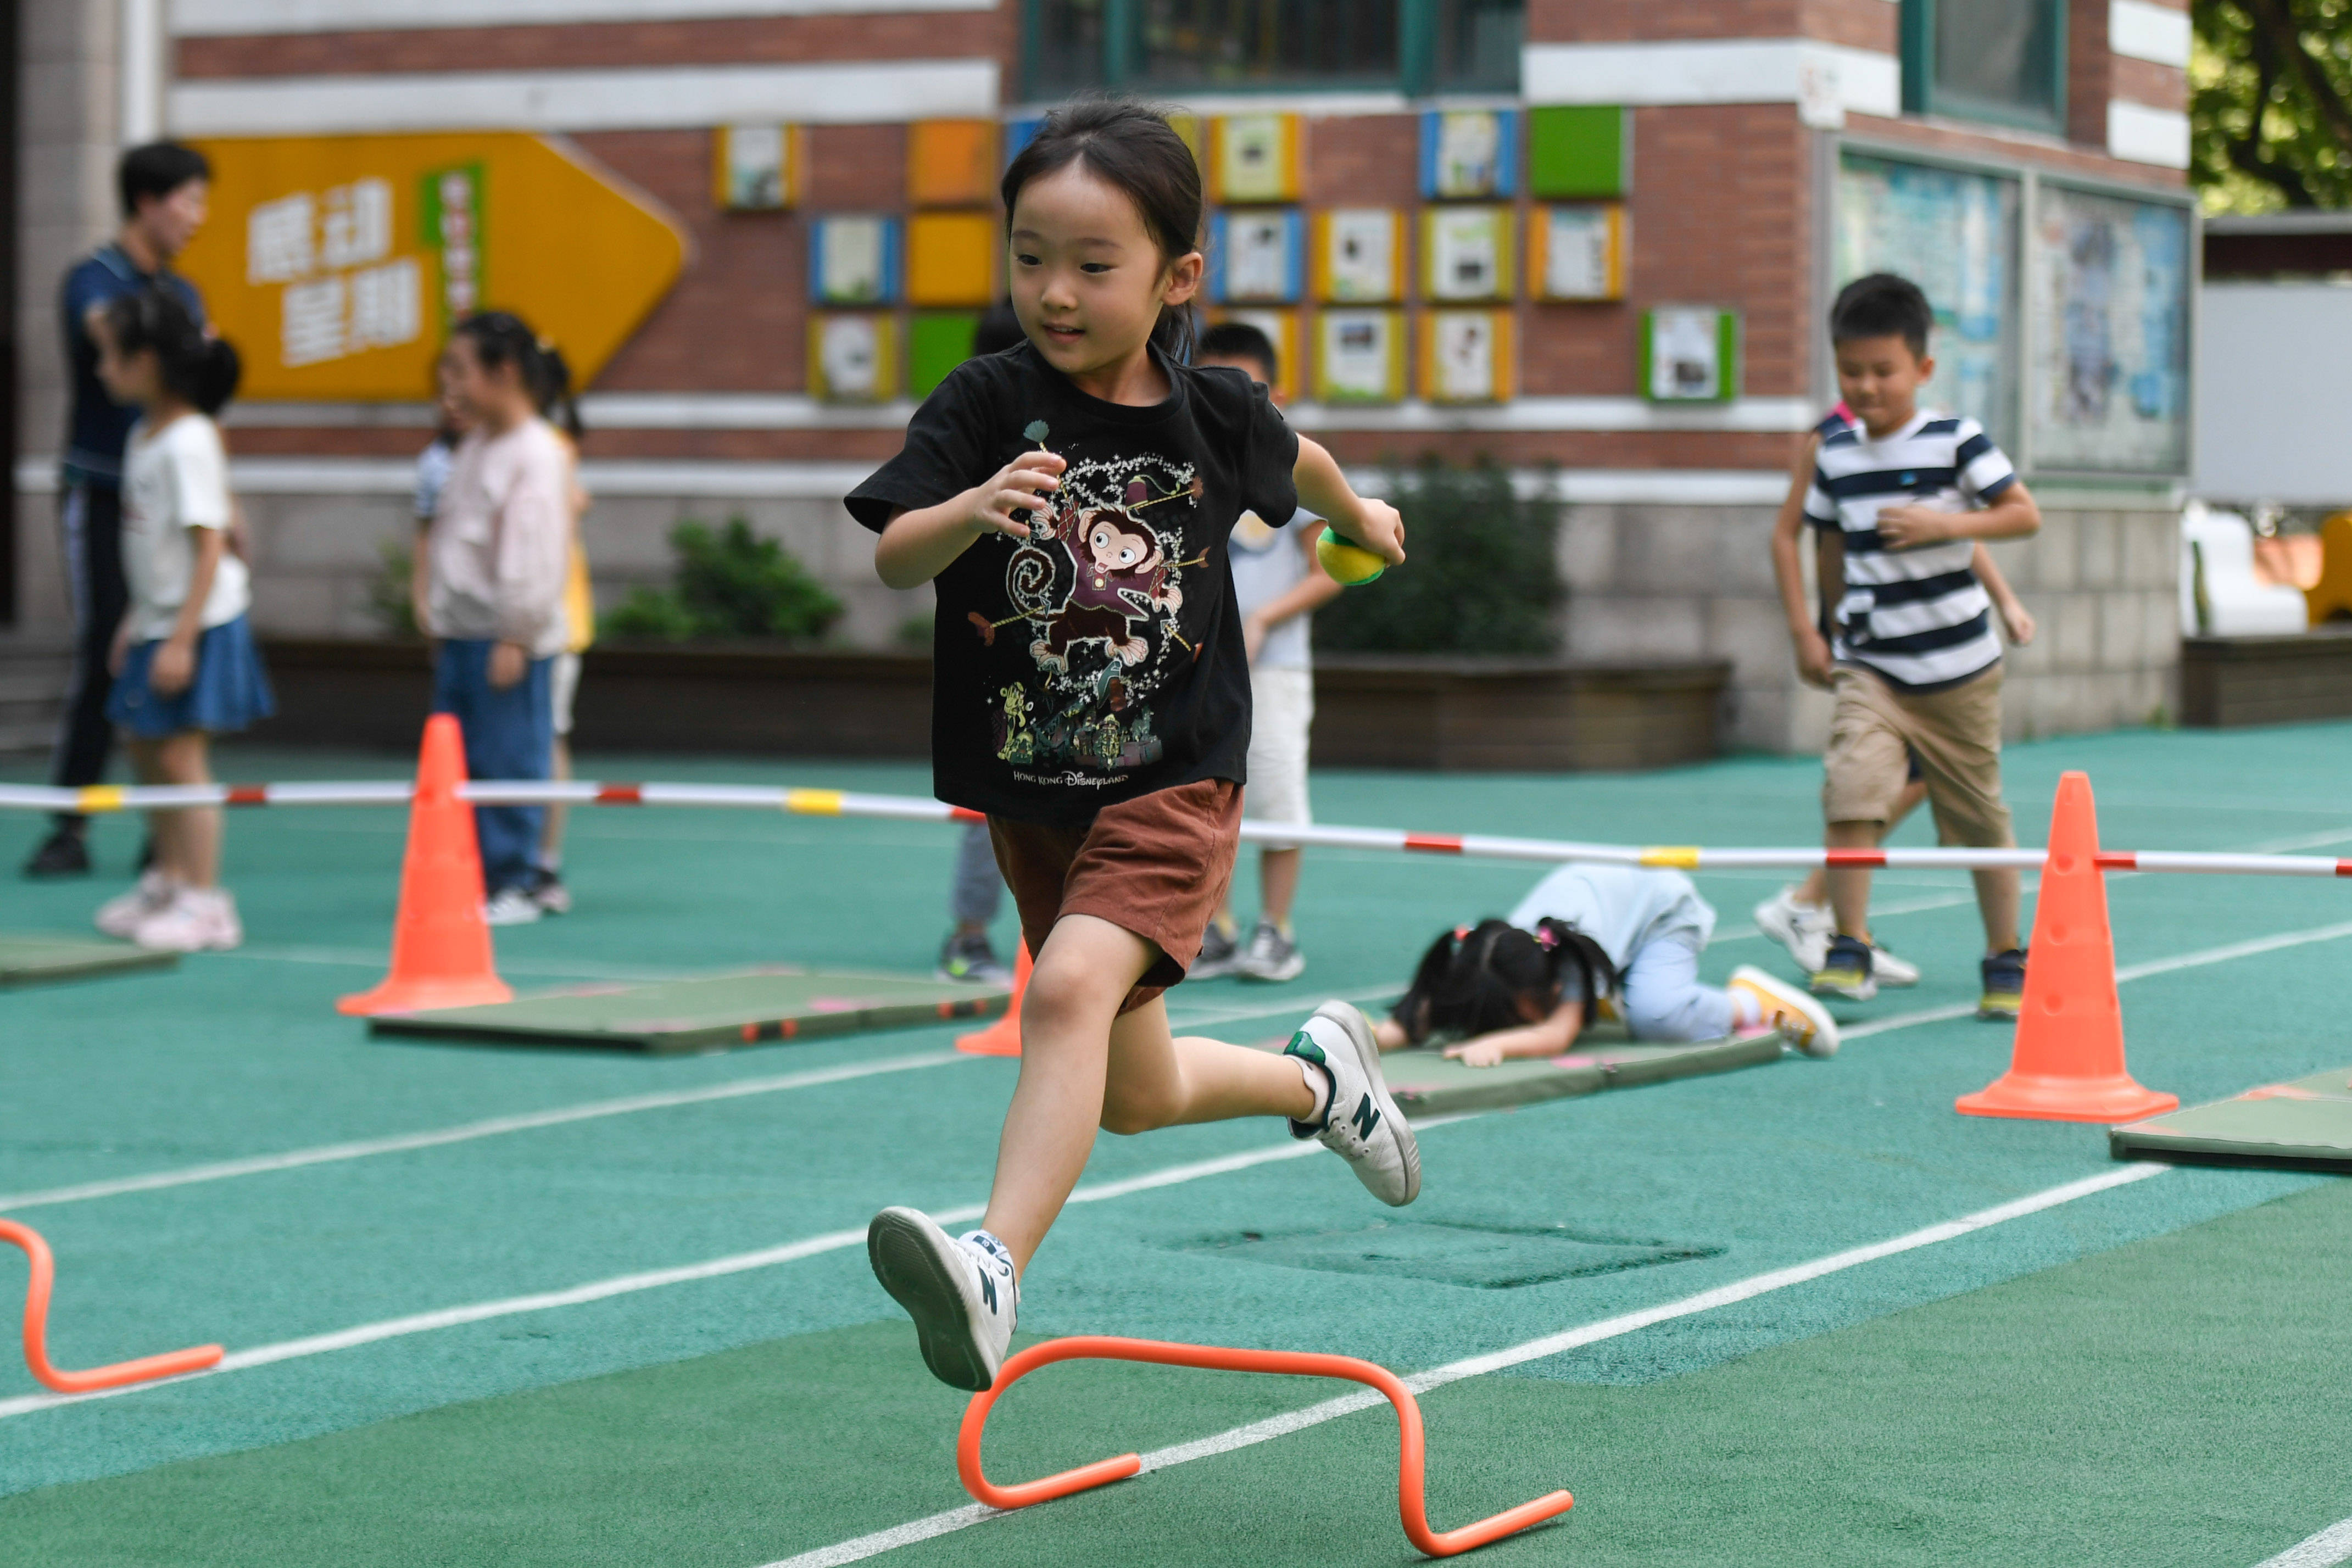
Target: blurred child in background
184	663
1278	584
559	408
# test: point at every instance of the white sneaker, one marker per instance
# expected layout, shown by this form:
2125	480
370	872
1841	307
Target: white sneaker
1360	1123
1889	970
1802	1021
196	920
121	915
511	906
1805	929
1271	956
962	1294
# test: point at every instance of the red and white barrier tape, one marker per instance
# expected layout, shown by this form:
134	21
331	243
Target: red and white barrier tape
102	797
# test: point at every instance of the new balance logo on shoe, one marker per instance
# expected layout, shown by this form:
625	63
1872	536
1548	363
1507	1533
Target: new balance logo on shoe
988	1290
1366	1118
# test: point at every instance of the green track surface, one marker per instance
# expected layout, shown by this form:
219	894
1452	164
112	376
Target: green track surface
2143	1376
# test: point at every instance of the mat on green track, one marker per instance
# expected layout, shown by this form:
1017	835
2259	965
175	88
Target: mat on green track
2308	1122
712	1013
1427	1084
30	960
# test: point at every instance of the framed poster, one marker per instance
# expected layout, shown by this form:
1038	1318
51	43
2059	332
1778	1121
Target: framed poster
1360	356
1465	253
2107	290
1577	252
953	162
1359	256
756	167
1256	255
854	259
1690	354
1956	234
1281	330
951	258
1469	154
1253	158
853	356
1465	356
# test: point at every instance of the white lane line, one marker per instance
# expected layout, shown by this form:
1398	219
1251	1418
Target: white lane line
2324	1549
1754	1285
490	1127
364	959
654	1279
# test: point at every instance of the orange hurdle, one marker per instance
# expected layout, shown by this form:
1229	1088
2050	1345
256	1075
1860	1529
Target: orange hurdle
171	1364
1213	1358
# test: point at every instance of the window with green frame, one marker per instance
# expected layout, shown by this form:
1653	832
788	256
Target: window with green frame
1414	47
1998	60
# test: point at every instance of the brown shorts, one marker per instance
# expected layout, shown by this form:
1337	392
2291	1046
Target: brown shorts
1955	733
1157	865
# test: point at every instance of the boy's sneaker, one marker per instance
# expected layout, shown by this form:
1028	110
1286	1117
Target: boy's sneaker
1805	929
1802	1021
196	920
1845	972
2004	987
1889	970
1270	956
123	914
511	905
1219	954
547	891
65	852
962	1294
1359	1122
969	961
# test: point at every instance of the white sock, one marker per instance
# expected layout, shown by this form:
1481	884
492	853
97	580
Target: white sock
1319	1084
1746	1008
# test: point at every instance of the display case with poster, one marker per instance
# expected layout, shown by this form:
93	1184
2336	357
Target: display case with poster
1465	356
757	168
1465	253
1690	353
2107	291
853	356
1577	252
1360	356
1955	233
1256	256
1359	256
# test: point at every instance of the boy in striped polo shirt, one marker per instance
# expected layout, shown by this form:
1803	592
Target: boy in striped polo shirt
1899	501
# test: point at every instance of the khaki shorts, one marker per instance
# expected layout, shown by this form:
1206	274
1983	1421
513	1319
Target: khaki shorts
1157	865
1282	703
1954	733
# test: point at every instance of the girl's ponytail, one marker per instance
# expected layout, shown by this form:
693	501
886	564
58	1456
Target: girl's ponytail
1566	947
212	374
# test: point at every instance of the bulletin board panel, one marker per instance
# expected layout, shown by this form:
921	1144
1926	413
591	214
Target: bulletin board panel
2108	292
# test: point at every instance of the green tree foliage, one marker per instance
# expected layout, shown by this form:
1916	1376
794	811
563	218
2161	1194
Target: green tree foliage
2271	104
1480	576
730	584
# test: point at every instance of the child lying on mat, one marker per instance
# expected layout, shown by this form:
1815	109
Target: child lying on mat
1591	938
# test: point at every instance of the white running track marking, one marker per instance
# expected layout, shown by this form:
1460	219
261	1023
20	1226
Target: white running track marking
2324	1549
654	1278
1754	1285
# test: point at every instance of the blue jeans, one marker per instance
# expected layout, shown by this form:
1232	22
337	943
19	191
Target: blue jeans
1664	1000
508	734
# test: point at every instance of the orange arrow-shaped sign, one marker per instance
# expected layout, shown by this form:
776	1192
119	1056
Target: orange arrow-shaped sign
337	265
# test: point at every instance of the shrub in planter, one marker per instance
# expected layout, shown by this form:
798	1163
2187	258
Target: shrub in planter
1480	575
730	584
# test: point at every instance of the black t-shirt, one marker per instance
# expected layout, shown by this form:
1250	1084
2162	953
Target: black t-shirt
1100	659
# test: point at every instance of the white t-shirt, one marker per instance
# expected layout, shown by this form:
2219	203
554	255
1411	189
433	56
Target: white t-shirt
1268	562
174	479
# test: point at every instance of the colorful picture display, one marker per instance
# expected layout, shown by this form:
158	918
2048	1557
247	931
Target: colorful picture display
1360	356
951	258
1690	354
1253	158
1467	356
1256	256
1577	252
1358	255
1954	233
2108	292
1578	152
854	259
951	163
1469	154
854	356
757	168
1465	253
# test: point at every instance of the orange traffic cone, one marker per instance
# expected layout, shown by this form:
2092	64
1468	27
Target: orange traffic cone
1002	1038
440	944
2067	1064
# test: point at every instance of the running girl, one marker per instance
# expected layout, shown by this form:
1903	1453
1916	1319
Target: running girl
1070	500
185	668
1588	940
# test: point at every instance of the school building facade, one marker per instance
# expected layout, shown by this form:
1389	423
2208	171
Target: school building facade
1592	238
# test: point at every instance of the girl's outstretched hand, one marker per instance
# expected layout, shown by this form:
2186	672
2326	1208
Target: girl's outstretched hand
1025	483
1485	1052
